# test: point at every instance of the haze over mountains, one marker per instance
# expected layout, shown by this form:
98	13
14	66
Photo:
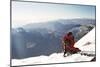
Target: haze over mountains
37	39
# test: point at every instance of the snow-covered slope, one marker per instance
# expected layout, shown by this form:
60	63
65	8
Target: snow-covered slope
87	43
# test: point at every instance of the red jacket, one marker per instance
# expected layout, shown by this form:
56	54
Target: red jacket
69	39
69	45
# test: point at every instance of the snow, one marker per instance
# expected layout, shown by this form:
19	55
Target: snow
54	58
87	43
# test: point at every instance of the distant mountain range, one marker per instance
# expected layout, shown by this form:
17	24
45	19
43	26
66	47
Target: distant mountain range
86	44
37	39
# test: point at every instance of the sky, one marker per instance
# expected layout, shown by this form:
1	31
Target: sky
31	12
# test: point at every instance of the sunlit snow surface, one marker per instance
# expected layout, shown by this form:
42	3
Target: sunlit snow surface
87	44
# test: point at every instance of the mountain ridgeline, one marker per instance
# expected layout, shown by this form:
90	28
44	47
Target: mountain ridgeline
37	39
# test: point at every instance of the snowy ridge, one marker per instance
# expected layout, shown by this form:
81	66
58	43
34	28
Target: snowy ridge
87	43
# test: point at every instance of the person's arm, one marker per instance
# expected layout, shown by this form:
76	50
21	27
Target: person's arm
63	43
73	41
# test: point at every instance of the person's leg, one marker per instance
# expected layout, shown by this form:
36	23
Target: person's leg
78	50
64	53
75	50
